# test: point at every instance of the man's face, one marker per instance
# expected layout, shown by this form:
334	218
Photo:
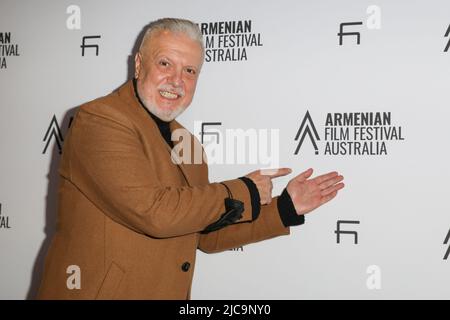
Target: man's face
167	70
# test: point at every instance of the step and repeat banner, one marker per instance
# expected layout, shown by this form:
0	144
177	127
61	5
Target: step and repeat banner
356	86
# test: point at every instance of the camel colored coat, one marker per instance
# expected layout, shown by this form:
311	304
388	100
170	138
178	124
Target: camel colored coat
129	217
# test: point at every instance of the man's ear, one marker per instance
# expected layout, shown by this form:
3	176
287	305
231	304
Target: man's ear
137	64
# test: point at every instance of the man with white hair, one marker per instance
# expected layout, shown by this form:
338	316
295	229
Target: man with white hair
130	218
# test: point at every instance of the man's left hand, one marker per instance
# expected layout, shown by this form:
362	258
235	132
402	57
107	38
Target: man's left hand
308	194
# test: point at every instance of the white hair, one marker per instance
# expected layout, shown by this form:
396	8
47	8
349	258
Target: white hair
175	25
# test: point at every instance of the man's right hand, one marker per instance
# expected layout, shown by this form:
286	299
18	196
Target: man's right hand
263	181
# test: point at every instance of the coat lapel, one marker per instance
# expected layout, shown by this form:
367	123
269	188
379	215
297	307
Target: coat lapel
126	92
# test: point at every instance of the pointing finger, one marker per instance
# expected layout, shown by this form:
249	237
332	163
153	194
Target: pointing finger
275	173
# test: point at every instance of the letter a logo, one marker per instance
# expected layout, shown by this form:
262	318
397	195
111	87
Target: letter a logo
307	128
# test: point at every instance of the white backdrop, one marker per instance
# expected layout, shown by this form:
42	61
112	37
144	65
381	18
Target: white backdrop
399	196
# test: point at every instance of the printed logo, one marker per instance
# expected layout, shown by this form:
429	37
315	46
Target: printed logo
339	231
446	242
350	133
446	35
7	49
94	46
54	133
208	133
4	220
229	40
307	128
373	22
341	33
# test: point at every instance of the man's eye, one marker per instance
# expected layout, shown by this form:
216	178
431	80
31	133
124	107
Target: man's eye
191	71
163	63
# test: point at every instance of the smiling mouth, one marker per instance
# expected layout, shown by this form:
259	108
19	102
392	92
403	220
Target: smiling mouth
169	95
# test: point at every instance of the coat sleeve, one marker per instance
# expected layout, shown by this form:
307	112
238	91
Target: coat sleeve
104	158
268	225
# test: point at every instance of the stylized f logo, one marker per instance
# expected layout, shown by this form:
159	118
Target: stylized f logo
341	33
203	133
305	129
84	45
339	231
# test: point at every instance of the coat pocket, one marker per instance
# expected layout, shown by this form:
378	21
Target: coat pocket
110	283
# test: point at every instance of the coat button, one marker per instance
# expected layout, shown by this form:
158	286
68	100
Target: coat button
185	266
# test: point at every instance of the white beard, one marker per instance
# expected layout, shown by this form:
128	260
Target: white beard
165	115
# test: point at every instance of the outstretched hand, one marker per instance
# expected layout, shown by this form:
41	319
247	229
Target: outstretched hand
308	194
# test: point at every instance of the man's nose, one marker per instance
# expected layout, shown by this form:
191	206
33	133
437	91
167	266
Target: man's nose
176	77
